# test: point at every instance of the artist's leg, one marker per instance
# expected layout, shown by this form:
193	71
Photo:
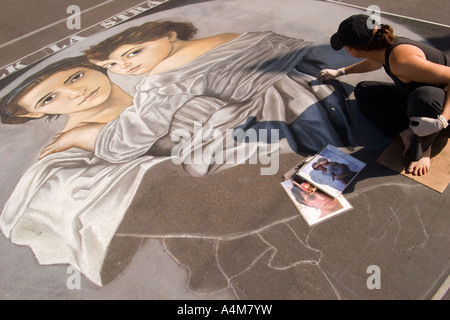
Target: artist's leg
384	105
428	102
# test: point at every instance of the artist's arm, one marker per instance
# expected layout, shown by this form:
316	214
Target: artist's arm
83	136
409	64
363	67
359	67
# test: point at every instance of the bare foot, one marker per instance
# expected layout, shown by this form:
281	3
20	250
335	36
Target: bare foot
422	166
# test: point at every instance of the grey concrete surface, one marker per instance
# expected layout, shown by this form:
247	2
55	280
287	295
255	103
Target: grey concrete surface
427	19
396	224
28	25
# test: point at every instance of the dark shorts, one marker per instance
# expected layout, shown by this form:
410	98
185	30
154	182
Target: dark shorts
389	109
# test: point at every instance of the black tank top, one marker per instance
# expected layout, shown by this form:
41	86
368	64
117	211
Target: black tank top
432	54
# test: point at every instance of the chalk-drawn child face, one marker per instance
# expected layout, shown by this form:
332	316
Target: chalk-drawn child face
67	92
135	59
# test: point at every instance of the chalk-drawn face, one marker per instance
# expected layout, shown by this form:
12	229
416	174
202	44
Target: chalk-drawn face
67	92
138	59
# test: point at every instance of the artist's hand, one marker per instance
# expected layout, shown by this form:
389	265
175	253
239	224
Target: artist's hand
423	126
330	74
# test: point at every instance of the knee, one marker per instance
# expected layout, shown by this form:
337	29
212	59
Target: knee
425	102
417	98
360	90
364	97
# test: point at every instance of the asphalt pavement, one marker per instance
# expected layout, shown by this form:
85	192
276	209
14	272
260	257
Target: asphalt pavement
397	227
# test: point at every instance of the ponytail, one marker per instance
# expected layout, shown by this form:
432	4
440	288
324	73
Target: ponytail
383	38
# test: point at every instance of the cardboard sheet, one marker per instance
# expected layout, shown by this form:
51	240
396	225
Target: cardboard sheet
439	175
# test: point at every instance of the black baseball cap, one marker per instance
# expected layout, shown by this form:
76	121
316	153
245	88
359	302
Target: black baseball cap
353	31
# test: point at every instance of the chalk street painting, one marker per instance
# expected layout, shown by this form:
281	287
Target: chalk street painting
135	131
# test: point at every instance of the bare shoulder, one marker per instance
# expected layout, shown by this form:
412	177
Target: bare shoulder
403	52
226	36
404	59
221	38
409	63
